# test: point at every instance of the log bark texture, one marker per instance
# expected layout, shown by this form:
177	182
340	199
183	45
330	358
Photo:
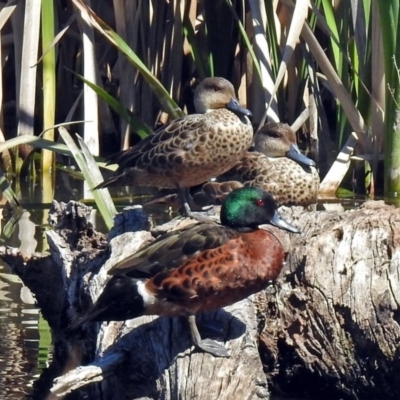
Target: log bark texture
333	329
329	328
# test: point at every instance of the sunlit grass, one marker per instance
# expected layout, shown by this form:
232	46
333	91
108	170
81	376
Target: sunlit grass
143	67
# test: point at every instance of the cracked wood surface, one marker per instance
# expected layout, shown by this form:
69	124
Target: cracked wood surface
335	318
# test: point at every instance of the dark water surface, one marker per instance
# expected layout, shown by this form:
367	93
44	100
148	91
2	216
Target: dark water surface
24	335
24	347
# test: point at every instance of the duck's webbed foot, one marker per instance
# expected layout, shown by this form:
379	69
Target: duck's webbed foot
206	345
212	347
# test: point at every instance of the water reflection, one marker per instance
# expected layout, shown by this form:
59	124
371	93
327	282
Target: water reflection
19	345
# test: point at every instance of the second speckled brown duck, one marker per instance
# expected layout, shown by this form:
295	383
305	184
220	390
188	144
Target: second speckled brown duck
276	166
192	149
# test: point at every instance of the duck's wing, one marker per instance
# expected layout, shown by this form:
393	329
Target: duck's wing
166	147
172	250
247	168
214	192
243	173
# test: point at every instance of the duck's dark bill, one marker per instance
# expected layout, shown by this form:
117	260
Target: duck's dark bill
295	155
279	222
236	108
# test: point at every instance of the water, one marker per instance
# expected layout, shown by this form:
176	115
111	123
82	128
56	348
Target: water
25	338
22	352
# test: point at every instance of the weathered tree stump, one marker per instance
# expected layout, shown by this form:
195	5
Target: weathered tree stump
329	327
333	329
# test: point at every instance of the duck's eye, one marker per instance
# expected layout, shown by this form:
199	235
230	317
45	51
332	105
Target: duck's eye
216	88
260	202
273	134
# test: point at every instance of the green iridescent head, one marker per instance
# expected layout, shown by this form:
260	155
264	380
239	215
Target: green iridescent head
249	207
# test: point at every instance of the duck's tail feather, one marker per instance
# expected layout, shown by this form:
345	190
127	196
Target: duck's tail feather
120	300
113	180
126	177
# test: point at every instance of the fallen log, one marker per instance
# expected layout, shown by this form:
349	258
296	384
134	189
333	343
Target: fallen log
329	327
333	328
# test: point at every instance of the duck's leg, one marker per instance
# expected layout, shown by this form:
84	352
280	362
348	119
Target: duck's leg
207	345
184	197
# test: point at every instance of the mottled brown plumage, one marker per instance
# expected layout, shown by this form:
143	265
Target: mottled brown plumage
192	149
201	268
219	276
276	165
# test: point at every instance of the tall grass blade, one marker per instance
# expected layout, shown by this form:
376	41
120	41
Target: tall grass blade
389	16
49	99
335	175
92	175
91	128
246	40
140	127
48	145
194	50
27	94
5	15
377	91
162	94
331	25
355	118
58	37
298	20
263	52
127	25
7	11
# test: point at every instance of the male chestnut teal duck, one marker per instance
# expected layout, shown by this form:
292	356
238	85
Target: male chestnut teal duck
276	165
201	268
192	149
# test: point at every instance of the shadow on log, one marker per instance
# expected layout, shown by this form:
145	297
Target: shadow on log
329	327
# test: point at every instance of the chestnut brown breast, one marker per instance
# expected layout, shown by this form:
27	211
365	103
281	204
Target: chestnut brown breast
219	277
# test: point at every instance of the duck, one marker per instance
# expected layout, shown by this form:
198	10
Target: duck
192	149
200	268
275	165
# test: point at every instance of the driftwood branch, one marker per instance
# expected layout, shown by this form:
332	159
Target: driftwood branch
329	327
81	376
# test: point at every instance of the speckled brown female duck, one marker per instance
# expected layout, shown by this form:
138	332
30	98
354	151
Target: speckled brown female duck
276	165
201	268
192	149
